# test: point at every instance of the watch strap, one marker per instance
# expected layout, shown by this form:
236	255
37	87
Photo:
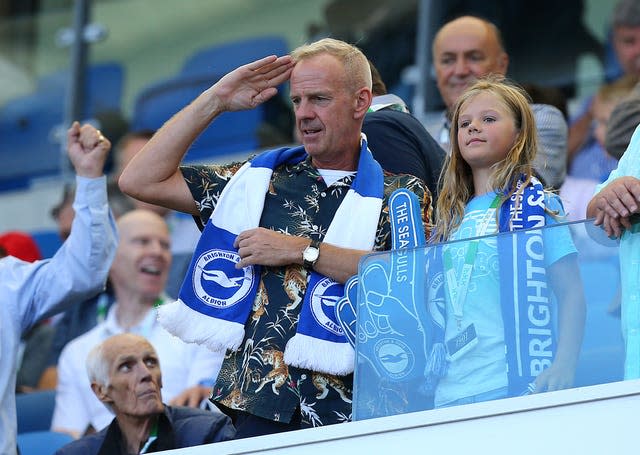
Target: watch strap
309	264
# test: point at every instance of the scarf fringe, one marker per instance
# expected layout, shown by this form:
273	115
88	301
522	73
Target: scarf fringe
189	325
324	356
437	361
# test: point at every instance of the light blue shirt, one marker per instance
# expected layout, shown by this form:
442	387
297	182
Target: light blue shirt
629	165
484	368
30	292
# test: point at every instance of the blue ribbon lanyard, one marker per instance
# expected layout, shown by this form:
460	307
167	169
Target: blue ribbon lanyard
457	288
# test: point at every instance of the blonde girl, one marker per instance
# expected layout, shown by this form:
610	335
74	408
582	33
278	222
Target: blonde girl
498	329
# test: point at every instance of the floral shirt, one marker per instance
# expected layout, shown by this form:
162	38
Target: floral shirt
254	378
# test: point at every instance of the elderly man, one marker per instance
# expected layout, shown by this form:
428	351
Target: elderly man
138	276
30	292
468	48
125	376
283	233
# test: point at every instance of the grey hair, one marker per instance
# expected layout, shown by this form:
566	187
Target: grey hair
626	13
98	366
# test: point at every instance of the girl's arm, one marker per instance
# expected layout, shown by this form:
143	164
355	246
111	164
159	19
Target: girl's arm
562	276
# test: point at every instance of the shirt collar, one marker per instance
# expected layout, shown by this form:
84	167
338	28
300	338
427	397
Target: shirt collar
144	327
114	442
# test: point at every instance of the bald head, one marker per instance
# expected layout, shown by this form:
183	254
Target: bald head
464	50
141	266
134	218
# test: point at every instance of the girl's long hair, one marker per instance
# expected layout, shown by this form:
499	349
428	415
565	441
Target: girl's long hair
456	179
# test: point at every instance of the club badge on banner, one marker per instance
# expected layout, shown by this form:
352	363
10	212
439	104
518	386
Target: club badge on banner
392	328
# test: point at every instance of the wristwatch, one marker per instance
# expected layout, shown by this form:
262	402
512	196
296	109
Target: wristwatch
311	254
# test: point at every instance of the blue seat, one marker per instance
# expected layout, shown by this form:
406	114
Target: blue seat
31	126
224	57
232	132
42	442
104	86
35	410
48	241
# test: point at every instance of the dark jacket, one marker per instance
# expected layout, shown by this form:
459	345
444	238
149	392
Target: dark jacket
401	145
178	427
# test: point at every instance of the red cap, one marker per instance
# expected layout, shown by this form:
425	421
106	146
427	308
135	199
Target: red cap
20	245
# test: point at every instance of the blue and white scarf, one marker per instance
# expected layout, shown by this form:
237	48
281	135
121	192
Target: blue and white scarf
216	298
523	286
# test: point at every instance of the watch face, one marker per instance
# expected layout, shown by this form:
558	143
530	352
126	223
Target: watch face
311	254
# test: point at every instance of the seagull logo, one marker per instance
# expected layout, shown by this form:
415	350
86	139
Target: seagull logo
330	300
215	282
218	276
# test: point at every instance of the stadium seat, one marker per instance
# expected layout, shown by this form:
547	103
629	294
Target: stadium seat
232	132
42	442
34	410
224	57
31	127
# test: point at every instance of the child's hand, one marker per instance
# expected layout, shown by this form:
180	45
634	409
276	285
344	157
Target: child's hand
557	377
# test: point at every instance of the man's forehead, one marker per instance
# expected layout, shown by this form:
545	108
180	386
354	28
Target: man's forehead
123	348
142	224
465	36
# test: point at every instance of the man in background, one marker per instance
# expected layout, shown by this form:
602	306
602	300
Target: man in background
468	48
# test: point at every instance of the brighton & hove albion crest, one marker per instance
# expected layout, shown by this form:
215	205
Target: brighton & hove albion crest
395	357
324	296
217	282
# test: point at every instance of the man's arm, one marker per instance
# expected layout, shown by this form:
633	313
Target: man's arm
266	247
153	175
614	204
79	268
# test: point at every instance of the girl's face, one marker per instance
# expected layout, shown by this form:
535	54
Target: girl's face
486	131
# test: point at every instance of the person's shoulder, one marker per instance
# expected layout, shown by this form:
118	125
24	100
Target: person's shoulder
622	123
395	119
393	181
553	202
177	413
547	114
87	445
195	426
412	183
